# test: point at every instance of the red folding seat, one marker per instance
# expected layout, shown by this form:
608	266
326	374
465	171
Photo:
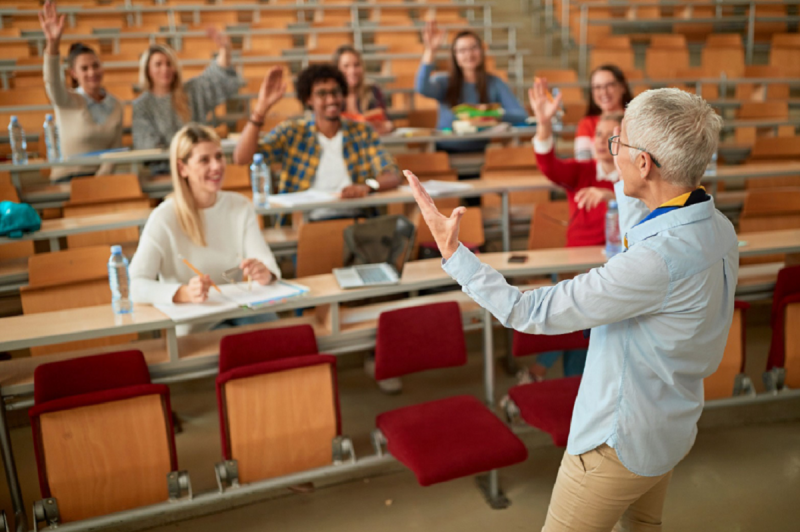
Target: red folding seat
278	406
448	438
103	438
783	363
546	405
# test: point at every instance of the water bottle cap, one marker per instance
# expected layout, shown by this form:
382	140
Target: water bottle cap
612	204
116	250
48	116
14	118
258	158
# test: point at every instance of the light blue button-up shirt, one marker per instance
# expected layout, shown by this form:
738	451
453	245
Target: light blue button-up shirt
659	314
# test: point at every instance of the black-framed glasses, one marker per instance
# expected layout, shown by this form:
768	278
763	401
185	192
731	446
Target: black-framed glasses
335	92
614	144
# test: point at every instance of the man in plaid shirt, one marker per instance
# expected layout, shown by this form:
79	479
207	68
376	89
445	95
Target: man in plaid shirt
326	152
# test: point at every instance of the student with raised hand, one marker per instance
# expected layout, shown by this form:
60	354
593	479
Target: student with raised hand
659	315
89	119
212	229
326	152
609	95
168	102
467	82
363	99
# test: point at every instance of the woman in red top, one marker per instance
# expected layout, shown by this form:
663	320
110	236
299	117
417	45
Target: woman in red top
609	94
587	183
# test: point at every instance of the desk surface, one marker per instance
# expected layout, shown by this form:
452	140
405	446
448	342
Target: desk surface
93	322
84	224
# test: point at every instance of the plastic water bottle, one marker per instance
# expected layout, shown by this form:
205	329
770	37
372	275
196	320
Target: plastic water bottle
558	118
51	139
613	240
19	148
711	169
260	180
119	281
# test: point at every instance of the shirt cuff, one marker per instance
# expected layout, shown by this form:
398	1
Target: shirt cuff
542	147
462	265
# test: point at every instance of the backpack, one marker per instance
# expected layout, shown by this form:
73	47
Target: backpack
18	218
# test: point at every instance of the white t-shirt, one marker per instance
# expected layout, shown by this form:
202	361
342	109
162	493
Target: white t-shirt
332	175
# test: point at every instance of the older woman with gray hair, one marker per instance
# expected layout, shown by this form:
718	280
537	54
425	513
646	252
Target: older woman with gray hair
659	316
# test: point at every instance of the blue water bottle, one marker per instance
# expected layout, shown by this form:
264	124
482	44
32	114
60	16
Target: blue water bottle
260	180
16	136
613	239
119	281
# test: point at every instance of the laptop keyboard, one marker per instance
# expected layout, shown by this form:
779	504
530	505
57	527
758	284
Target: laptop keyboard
373	275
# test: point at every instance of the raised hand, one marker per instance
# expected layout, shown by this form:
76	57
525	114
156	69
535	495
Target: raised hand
271	91
444	229
52	24
432	36
543	104
220	39
590	197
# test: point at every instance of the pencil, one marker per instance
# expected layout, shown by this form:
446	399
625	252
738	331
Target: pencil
198	272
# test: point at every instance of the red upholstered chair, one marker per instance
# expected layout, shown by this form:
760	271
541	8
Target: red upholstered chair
102	436
783	363
448	438
546	405
278	406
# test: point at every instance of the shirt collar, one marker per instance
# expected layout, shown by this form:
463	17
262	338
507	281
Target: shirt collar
612	176
674	218
91	101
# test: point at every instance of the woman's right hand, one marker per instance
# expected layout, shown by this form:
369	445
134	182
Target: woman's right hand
432	37
196	291
52	24
271	91
543	105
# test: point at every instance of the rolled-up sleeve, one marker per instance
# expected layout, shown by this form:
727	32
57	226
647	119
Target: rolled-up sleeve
631	284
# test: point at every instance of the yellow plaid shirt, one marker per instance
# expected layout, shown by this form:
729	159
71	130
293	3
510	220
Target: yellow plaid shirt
293	144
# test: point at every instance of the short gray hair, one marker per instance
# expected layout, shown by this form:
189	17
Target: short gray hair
679	129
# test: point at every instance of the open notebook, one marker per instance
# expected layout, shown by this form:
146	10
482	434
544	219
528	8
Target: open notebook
233	297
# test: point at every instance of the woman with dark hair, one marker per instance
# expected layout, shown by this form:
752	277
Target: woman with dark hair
610	95
88	118
364	100
467	82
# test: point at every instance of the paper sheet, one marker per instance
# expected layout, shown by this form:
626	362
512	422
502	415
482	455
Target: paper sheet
293	199
435	187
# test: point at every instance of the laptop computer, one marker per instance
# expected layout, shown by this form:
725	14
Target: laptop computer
366	275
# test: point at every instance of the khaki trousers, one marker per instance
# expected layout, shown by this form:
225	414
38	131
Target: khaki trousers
594	492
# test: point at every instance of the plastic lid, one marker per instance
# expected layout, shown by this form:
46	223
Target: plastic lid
116	250
14	118
48	116
258	158
612	204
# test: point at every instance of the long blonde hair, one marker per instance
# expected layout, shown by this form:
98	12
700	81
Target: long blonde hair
180	149
180	100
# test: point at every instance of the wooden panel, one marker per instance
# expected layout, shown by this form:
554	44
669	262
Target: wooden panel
470	232
515	157
792	346
778	148
65	267
758	92
549	225
280	423
107	458
108	238
17	249
423	164
668	40
515	198
237	177
320	247
720	383
104	188
727	60
664	63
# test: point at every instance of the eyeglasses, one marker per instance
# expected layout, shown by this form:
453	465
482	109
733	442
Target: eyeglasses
322	93
614	144
607	86
467	49
235	276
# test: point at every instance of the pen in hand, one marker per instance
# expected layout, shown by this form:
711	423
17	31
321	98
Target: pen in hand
198	272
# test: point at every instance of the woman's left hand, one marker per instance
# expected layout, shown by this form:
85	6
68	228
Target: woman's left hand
255	270
590	197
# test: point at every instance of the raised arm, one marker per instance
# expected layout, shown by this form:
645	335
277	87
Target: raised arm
425	84
271	91
53	26
514	113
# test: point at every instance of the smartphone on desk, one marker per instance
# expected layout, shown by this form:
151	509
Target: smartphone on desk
518	259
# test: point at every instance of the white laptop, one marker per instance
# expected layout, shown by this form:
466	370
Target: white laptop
366	275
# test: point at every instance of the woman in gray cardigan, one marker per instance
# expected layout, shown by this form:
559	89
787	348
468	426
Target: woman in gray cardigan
168	103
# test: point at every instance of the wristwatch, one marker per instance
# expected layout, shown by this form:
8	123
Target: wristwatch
373	184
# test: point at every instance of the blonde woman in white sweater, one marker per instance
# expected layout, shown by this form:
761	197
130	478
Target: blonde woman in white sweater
88	118
212	229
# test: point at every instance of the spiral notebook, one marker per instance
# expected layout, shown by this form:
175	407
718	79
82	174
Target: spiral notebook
234	296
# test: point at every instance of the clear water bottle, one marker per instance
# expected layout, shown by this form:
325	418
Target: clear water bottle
613	239
260	180
51	139
119	281
16	135
711	169
558	118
